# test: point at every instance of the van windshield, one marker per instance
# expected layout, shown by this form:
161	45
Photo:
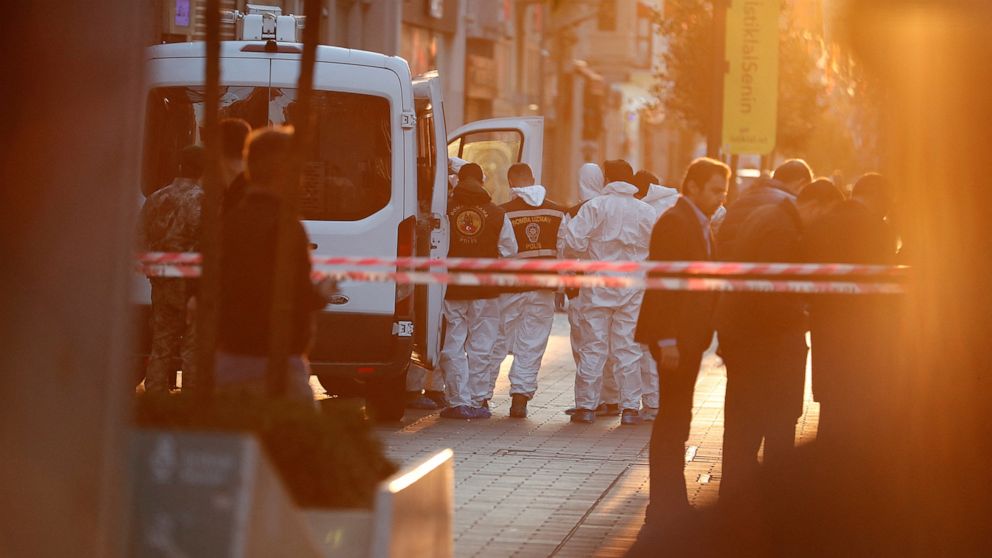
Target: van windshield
348	175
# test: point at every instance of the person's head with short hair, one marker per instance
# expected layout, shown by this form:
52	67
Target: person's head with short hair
192	162
471	170
705	184
520	175
643	180
817	198
268	155
618	170
233	133
794	174
873	190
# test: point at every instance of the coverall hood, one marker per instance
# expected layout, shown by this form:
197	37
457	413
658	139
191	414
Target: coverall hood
590	181
619	187
657	193
532	195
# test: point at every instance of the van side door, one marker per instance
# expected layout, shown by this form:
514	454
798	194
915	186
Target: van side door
432	219
497	143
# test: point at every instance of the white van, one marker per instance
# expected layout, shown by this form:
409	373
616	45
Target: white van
375	185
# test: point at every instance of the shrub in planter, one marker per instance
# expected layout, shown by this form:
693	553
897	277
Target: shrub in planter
327	459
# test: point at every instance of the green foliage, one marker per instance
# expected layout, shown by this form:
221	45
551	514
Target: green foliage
686	84
328	459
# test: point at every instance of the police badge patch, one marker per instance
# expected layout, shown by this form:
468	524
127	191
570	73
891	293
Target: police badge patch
469	222
533	232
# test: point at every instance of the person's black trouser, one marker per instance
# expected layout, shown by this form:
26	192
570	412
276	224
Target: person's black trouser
669	434
766	378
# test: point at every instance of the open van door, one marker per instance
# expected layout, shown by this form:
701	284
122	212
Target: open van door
497	143
432	219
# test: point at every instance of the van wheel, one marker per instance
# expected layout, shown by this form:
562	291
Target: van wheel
386	398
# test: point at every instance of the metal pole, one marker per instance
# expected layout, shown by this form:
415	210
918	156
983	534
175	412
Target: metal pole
284	296
209	293
714	137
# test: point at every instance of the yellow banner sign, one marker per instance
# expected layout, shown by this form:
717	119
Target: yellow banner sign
750	92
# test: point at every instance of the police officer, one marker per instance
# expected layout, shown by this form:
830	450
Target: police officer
527	313
479	229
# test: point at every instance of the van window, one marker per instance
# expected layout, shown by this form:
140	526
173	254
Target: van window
347	176
174	119
494	151
426	155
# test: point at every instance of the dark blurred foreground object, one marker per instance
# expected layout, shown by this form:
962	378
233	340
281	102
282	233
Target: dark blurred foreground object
68	209
919	483
329	459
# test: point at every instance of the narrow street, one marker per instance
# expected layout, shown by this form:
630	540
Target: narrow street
543	486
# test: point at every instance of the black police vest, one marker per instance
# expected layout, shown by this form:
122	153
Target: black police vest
536	231
475	230
535	228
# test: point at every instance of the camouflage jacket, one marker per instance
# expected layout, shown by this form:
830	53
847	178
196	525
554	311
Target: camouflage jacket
170	218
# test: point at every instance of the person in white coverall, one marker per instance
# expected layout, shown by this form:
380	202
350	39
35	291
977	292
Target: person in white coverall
612	227
591	182
527	313
661	199
479	229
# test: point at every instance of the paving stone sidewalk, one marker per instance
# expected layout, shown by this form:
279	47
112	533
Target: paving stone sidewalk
543	486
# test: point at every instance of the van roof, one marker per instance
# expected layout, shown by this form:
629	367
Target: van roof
255	49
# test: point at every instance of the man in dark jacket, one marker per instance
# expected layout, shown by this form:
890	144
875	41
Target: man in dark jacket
763	341
233	133
479	229
248	277
676	326
789	178
850	333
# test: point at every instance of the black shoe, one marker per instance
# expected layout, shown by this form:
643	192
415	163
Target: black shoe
608	410
584	416
485	403
630	417
518	408
437	397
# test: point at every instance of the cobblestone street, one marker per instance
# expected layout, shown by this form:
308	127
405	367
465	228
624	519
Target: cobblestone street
546	487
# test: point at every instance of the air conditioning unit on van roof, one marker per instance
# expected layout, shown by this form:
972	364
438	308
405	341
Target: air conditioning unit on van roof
264	23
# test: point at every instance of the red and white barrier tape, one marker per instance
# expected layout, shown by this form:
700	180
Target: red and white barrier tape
553	266
551	281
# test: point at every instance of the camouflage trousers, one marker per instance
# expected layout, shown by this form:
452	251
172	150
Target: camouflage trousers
172	339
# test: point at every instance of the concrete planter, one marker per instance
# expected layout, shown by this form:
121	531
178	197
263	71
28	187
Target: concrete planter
212	494
413	516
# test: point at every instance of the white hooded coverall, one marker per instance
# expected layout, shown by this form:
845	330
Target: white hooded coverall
612	227
526	318
591	184
661	199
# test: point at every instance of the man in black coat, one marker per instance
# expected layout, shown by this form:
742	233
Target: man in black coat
850	334
763	341
676	327
789	178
